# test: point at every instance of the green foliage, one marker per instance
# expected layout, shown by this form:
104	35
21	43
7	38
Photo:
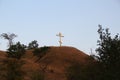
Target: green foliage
108	60
16	51
40	52
109	48
37	76
33	45
109	54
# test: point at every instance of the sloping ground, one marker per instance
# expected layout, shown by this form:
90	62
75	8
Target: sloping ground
55	61
53	64
2	56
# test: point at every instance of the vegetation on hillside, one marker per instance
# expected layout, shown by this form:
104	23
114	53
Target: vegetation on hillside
109	54
107	59
11	67
40	52
9	37
16	51
103	66
33	45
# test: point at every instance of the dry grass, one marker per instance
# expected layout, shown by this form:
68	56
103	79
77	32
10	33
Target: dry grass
53	63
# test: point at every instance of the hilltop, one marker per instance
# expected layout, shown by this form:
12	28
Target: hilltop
53	63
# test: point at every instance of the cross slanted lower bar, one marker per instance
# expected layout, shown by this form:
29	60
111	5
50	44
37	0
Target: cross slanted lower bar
60	41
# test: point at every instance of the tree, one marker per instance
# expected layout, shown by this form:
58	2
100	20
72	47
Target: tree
109	53
33	45
9	37
16	51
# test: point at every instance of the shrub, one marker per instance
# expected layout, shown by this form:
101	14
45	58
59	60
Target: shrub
33	45
16	51
40	52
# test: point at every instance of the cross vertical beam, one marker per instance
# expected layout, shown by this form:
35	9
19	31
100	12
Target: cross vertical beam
60	36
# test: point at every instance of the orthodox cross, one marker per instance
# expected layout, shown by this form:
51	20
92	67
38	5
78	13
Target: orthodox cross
60	41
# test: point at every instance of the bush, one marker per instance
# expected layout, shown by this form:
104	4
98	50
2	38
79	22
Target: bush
40	52
16	51
33	45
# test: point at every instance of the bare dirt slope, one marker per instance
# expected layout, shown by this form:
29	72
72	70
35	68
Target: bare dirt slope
54	63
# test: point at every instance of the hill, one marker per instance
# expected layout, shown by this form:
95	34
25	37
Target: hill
53	63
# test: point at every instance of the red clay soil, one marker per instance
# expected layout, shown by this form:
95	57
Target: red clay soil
53	63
